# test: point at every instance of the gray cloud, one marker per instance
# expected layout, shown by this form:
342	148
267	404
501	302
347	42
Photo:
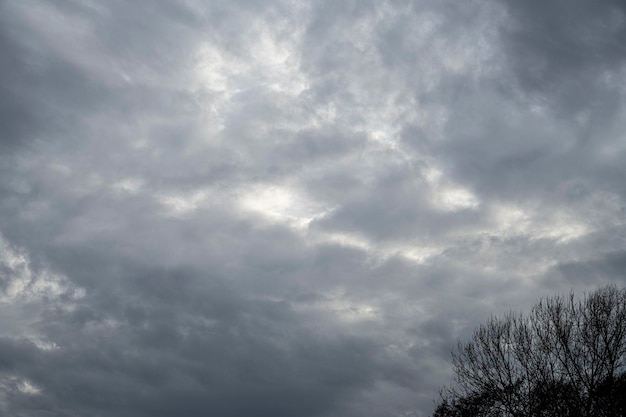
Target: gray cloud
281	208
567	51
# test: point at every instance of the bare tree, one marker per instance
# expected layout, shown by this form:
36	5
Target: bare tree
564	358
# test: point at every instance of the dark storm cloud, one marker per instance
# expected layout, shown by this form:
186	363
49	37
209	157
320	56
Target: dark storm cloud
169	351
609	267
30	78
567	51
151	340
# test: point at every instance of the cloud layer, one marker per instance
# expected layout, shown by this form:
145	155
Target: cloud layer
287	208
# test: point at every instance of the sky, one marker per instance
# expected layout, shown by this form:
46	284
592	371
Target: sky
293	208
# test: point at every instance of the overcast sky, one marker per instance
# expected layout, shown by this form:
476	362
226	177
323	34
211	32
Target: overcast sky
293	208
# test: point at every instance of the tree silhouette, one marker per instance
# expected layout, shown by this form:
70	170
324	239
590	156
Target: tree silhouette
564	358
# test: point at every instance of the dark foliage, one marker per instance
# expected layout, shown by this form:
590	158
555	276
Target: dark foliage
565	358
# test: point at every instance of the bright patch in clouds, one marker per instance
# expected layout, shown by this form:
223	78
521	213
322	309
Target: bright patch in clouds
23	284
346	239
280	204
454	198
26	387
559	226
271	60
447	196
182	204
128	185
